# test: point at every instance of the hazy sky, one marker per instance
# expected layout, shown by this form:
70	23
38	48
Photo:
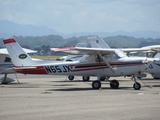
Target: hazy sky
84	15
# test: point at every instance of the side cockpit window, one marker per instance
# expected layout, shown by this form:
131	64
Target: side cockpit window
7	59
106	57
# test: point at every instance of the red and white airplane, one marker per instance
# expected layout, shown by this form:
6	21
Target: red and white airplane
97	62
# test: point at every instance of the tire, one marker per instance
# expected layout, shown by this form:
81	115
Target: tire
114	84
71	78
96	84
85	78
137	86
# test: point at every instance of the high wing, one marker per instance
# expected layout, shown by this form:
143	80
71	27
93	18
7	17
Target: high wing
102	51
153	47
134	49
148	50
98	42
94	50
70	49
95	42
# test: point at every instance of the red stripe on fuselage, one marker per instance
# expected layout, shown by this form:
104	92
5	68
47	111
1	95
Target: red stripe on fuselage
10	40
104	67
37	70
104	64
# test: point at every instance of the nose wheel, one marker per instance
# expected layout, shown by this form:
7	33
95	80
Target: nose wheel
137	86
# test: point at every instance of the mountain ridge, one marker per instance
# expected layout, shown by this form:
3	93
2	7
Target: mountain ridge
9	29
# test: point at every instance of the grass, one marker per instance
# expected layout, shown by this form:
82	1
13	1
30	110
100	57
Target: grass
156	93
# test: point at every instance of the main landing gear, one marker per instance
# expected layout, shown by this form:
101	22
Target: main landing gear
85	78
114	84
96	84
6	80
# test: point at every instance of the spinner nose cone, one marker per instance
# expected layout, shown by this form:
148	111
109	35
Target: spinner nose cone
147	63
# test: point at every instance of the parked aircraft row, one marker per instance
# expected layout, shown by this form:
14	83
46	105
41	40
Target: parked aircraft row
99	62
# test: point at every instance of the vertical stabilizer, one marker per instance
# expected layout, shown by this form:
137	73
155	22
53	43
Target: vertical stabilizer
18	56
98	42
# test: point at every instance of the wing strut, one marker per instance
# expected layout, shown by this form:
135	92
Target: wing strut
105	62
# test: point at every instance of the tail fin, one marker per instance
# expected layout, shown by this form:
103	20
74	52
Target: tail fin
98	42
18	56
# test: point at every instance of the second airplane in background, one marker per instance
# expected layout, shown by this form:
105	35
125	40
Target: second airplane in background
6	65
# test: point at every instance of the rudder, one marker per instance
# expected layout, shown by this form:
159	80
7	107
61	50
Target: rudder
18	56
98	42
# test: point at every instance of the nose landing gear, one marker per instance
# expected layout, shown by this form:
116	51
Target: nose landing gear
136	85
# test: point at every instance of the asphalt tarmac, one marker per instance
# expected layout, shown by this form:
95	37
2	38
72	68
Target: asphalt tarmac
47	97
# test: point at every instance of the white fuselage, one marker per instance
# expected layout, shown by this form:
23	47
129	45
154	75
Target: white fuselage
121	67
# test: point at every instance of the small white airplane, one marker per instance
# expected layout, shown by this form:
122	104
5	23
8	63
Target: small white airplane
154	67
6	65
97	62
98	42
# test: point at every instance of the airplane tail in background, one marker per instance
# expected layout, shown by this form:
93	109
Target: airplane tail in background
98	42
18	55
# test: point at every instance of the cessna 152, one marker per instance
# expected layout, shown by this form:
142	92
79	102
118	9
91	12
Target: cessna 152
97	62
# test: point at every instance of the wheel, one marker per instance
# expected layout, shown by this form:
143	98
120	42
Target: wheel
114	84
96	84
85	78
70	77
137	86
